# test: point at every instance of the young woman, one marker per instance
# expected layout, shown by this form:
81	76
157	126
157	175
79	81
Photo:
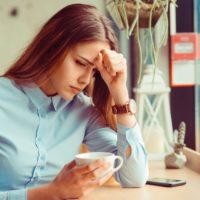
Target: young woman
68	88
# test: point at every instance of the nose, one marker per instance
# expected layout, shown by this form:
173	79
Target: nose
86	77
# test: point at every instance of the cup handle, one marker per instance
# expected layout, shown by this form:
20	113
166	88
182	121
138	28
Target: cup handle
119	164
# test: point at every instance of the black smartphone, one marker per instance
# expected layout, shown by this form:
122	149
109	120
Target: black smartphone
166	182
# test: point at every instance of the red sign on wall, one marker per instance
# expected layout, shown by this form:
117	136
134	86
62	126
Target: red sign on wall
185	46
185	51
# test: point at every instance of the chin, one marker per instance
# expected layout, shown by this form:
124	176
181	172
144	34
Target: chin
67	96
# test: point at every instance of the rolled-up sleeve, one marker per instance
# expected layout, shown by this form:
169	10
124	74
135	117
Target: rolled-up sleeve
134	171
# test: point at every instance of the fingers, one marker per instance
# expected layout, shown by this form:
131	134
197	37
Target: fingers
71	165
100	181
93	184
92	171
80	180
98	172
105	178
111	62
99	62
85	169
75	181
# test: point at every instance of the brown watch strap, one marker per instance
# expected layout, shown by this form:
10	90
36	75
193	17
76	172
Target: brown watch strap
117	109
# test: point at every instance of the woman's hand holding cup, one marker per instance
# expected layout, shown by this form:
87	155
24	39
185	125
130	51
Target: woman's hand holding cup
83	175
109	158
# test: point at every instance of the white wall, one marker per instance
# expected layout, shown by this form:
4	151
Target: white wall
17	31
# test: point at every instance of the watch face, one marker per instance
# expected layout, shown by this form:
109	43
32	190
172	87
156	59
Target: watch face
132	106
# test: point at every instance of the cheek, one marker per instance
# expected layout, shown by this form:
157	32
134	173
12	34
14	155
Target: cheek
62	73
58	79
68	73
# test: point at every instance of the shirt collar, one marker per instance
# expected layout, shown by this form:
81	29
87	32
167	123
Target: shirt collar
40	99
55	100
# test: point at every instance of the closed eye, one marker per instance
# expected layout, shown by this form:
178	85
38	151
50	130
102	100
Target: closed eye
86	65
81	63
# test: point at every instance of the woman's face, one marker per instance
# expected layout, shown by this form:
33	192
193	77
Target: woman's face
76	71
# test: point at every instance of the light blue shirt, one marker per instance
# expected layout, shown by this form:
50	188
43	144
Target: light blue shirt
40	134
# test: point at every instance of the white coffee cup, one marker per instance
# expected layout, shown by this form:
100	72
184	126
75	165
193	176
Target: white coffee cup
87	158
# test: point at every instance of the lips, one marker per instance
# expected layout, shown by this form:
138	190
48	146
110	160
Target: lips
75	89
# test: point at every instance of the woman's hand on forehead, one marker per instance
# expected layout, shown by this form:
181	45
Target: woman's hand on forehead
111	65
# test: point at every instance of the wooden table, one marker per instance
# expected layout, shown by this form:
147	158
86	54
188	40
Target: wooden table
157	169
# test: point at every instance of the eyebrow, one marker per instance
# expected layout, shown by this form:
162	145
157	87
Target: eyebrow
86	60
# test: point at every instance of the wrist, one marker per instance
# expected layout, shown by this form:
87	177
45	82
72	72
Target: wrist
40	193
120	97
129	107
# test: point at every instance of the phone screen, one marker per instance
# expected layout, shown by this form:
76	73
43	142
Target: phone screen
165	182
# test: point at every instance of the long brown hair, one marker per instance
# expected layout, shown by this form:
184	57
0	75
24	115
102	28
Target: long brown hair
73	24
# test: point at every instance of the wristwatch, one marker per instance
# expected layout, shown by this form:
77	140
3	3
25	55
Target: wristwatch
129	107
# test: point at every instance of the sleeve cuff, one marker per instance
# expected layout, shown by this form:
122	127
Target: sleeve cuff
128	136
130	133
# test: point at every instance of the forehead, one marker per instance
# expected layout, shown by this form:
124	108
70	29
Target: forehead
90	49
